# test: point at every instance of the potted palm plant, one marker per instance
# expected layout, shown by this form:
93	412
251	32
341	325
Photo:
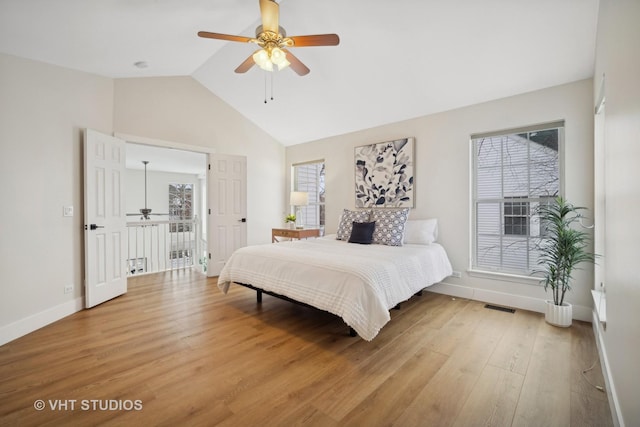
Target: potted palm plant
562	248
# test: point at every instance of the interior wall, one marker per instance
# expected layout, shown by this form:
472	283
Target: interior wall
618	59
157	191
43	110
181	110
442	178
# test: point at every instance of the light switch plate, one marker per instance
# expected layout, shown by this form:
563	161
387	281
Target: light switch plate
67	211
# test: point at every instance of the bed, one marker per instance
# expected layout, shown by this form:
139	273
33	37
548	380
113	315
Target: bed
359	283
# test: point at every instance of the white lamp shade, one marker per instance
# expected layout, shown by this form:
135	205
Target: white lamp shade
261	57
284	64
278	56
299	198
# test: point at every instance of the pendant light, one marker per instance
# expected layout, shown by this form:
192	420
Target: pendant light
145	211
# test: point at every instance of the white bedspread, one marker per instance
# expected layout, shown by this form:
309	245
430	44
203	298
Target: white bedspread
359	283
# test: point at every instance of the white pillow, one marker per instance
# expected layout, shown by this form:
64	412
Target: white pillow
421	231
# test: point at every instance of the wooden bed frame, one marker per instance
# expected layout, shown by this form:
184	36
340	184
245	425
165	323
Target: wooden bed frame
259	292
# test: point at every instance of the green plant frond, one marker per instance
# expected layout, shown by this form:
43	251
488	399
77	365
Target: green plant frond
562	247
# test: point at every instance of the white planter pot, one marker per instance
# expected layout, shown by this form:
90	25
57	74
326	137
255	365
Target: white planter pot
559	315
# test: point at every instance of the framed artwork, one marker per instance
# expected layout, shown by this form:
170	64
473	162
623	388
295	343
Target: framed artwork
384	174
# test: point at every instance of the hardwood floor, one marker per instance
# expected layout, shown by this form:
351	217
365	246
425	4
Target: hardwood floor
176	351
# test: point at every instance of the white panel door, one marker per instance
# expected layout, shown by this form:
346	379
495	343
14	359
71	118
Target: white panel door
227	199
105	221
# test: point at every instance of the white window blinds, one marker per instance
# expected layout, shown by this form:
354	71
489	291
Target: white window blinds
309	177
514	172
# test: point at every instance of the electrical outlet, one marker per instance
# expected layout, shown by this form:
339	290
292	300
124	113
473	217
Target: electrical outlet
68	289
456	274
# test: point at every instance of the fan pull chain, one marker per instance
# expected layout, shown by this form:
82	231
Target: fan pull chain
265	86
272	86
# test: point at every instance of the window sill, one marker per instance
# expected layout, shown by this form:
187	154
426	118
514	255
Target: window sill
507	277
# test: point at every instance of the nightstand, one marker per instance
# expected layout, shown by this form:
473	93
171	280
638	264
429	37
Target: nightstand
298	233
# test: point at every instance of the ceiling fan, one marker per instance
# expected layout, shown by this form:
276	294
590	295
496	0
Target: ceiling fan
273	42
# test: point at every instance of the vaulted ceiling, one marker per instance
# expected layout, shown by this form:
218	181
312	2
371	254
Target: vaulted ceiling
396	59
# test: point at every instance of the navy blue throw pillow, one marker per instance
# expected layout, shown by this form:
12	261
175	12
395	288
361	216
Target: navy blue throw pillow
362	232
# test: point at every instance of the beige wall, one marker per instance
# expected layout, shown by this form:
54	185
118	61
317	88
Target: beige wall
442	174
43	109
618	59
181	110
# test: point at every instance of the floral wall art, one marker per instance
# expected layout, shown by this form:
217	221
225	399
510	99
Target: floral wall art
384	174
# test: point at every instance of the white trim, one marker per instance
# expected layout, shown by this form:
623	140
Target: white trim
600	306
495	275
162	143
601	101
36	321
537	305
612	396
560	125
531	128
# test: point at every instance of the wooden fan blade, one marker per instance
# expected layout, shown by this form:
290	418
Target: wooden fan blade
246	65
296	65
316	40
269	10
219	36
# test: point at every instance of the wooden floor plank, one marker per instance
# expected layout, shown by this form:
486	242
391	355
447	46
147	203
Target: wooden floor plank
385	404
587	411
513	352
358	381
442	398
546	392
195	356
493	400
584	355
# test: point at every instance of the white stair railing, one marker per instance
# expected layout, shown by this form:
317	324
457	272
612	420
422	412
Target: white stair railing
161	245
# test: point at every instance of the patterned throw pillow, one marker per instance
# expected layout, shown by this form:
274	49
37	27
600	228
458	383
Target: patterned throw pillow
346	222
390	225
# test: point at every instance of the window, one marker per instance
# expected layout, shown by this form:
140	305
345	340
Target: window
309	177
180	207
514	172
516	218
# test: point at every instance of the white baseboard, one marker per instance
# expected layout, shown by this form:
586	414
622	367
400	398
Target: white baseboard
36	321
508	300
614	404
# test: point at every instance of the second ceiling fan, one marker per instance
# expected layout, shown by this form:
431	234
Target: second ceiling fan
273	42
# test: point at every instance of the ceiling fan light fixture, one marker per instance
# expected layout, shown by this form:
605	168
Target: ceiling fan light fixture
267	58
277	56
283	64
261	57
267	66
273	41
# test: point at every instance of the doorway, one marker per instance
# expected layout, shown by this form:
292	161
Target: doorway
165	202
177	212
